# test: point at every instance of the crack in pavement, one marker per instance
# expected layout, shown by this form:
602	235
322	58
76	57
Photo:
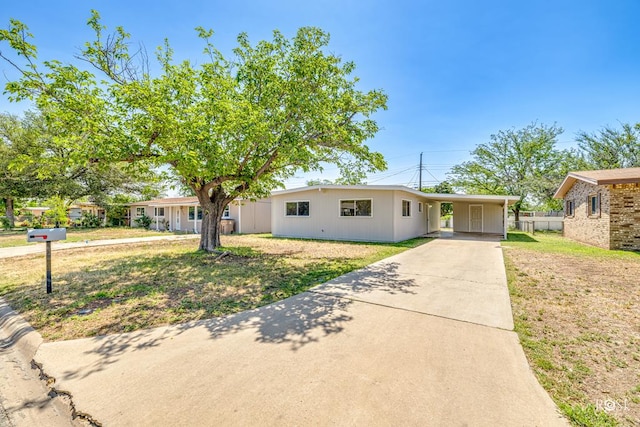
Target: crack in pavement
64	396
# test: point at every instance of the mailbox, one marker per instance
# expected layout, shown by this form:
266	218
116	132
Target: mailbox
46	234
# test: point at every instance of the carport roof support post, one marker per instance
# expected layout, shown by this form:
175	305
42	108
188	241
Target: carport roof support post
506	216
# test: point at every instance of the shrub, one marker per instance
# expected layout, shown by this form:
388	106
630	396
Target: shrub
37	222
143	221
5	223
89	220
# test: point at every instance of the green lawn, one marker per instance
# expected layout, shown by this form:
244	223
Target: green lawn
19	238
129	287
576	310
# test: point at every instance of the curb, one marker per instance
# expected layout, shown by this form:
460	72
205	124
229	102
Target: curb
17	333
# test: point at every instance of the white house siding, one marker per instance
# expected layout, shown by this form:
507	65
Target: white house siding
591	229
433	209
408	227
254	217
324	220
492	217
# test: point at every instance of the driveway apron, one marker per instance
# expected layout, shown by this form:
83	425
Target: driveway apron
422	338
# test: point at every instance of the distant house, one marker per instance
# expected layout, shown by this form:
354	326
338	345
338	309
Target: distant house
602	207
29	213
380	213
185	214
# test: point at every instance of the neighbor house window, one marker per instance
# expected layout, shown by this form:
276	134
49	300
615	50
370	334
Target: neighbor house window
593	204
139	211
569	207
420	207
192	212
406	208
360	207
227	212
297	208
159	211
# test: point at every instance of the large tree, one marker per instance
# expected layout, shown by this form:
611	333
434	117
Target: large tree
522	162
611	148
228	127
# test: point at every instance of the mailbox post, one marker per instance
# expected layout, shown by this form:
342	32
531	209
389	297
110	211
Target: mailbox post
47	235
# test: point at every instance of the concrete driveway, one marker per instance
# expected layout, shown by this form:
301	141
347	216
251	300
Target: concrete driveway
422	338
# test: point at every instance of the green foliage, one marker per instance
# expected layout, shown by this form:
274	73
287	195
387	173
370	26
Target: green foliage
89	220
444	187
5	223
117	209
611	148
227	127
520	162
319	182
143	221
57	213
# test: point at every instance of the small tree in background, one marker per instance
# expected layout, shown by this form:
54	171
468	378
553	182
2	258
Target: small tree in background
611	148
521	162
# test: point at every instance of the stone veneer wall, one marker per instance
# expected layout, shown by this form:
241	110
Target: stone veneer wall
625	217
582	227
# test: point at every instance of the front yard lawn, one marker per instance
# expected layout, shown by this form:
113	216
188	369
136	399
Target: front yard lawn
19	238
104	290
576	310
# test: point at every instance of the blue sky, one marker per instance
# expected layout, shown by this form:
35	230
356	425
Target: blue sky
455	71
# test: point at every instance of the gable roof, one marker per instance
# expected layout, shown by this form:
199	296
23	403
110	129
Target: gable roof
599	177
441	197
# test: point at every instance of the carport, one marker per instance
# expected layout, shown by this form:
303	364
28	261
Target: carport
485	214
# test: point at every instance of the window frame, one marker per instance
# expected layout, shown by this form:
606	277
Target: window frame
406	214
297	214
138	210
355	208
594	211
156	209
419	207
569	208
191	213
226	213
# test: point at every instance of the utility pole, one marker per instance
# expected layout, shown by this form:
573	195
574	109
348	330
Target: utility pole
420	179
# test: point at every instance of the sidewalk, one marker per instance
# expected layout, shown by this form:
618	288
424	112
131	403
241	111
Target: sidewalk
24	399
59	246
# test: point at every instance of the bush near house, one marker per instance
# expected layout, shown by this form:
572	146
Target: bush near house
144	221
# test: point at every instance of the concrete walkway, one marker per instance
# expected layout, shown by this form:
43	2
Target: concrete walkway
423	338
59	246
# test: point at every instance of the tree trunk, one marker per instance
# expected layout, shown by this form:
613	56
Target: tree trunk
212	210
516	212
8	203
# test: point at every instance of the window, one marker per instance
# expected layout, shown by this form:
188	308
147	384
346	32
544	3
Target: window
192	211
297	208
226	213
406	208
139	211
569	207
420	207
158	211
360	207
593	205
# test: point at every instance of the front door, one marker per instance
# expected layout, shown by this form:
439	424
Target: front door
475	219
177	227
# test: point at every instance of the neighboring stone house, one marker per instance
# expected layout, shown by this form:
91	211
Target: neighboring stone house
602	207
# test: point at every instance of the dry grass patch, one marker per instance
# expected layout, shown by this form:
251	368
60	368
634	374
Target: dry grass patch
103	290
577	311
